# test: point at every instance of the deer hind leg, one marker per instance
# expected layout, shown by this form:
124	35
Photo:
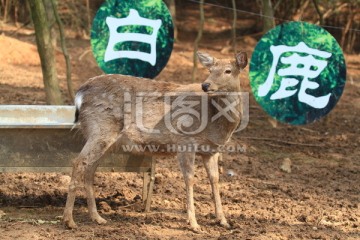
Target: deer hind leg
186	161
74	183
212	169
89	189
84	168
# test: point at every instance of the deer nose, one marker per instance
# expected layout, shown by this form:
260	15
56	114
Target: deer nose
205	87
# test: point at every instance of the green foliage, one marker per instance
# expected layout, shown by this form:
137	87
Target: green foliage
331	79
151	9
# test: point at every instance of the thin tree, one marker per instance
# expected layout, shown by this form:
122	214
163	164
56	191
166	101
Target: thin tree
198	38
345	31
7	9
268	12
300	10
172	7
317	8
269	23
234	24
46	52
351	42
88	15
64	50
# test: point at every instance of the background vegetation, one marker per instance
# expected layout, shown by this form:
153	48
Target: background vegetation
245	18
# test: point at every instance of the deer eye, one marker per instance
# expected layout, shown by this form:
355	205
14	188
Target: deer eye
227	71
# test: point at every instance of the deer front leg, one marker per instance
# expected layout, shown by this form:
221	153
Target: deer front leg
212	169
186	161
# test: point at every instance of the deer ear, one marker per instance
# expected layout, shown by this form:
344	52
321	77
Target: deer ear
241	59
205	59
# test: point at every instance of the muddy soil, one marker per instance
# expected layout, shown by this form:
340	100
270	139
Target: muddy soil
318	199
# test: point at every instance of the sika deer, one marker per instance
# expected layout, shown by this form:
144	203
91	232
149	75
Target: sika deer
107	110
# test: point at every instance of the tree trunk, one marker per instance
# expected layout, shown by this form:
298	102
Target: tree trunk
7	9
347	27
351	42
268	12
171	5
88	15
317	8
198	38
51	21
234	25
46	52
301	10
64	49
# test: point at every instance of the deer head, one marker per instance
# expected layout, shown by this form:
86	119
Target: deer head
224	73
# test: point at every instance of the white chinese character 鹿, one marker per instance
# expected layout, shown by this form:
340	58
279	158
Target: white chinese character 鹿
307	66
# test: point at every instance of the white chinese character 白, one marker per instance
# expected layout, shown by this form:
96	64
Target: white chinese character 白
307	66
116	37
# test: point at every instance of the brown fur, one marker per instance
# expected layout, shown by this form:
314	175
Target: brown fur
108	116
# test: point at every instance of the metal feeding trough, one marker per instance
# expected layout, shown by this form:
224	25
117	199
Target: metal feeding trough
34	116
35	138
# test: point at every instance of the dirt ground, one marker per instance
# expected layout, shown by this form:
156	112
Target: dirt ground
319	199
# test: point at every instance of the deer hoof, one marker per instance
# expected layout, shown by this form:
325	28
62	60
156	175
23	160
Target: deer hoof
197	229
99	220
225	224
70	224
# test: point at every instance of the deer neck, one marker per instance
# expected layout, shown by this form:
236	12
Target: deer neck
224	116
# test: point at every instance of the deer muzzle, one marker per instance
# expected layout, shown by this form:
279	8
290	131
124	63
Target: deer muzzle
205	86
